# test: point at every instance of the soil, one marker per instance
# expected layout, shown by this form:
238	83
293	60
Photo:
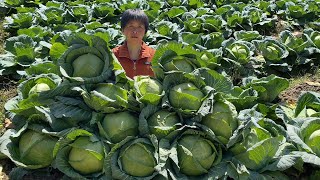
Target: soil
291	95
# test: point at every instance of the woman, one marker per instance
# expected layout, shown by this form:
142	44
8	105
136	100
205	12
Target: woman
134	55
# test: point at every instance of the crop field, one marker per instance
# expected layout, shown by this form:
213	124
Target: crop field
236	91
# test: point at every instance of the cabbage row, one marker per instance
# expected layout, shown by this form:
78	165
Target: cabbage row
188	122
247	37
210	112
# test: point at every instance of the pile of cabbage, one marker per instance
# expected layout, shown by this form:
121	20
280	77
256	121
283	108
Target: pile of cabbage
90	121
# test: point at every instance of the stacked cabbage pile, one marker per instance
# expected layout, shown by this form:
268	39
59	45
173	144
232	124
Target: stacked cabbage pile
90	121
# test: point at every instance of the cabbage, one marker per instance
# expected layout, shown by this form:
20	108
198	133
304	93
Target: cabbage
162	123
39	88
109	90
253	137
86	156
272	53
316	41
137	159
313	141
36	148
195	154
222	121
148	85
186	96
87	65
118	126
179	64
240	52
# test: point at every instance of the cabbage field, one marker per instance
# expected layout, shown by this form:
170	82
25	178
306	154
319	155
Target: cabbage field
212	111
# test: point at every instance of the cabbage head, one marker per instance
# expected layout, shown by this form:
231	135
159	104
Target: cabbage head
87	65
88	59
40	87
148	85
117	126
105	97
162	123
86	156
310	132
179	63
186	96
222	121
239	52
315	37
137	159
316	41
196	154
271	50
313	141
254	136
148	90
36	148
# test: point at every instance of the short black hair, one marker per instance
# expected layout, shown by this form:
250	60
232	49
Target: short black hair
134	14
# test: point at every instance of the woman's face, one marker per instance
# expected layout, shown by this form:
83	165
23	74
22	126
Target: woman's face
134	30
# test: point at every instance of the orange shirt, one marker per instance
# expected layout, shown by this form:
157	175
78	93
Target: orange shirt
142	66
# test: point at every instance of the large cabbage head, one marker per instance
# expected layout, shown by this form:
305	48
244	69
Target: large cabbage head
222	121
162	123
86	156
87	65
179	63
137	159
36	148
186	96
88	59
118	126
196	154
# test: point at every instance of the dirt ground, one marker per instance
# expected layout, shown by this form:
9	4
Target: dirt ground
291	94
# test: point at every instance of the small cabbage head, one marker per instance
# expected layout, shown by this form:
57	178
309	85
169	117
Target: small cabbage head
240	52
254	136
272	53
119	125
138	160
179	63
316	39
196	154
162	123
310	134
86	156
105	97
148	85
109	90
87	65
186	96
40	87
313	141
222	121
36	148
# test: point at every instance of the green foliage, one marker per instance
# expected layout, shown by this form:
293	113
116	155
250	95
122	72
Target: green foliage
210	112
